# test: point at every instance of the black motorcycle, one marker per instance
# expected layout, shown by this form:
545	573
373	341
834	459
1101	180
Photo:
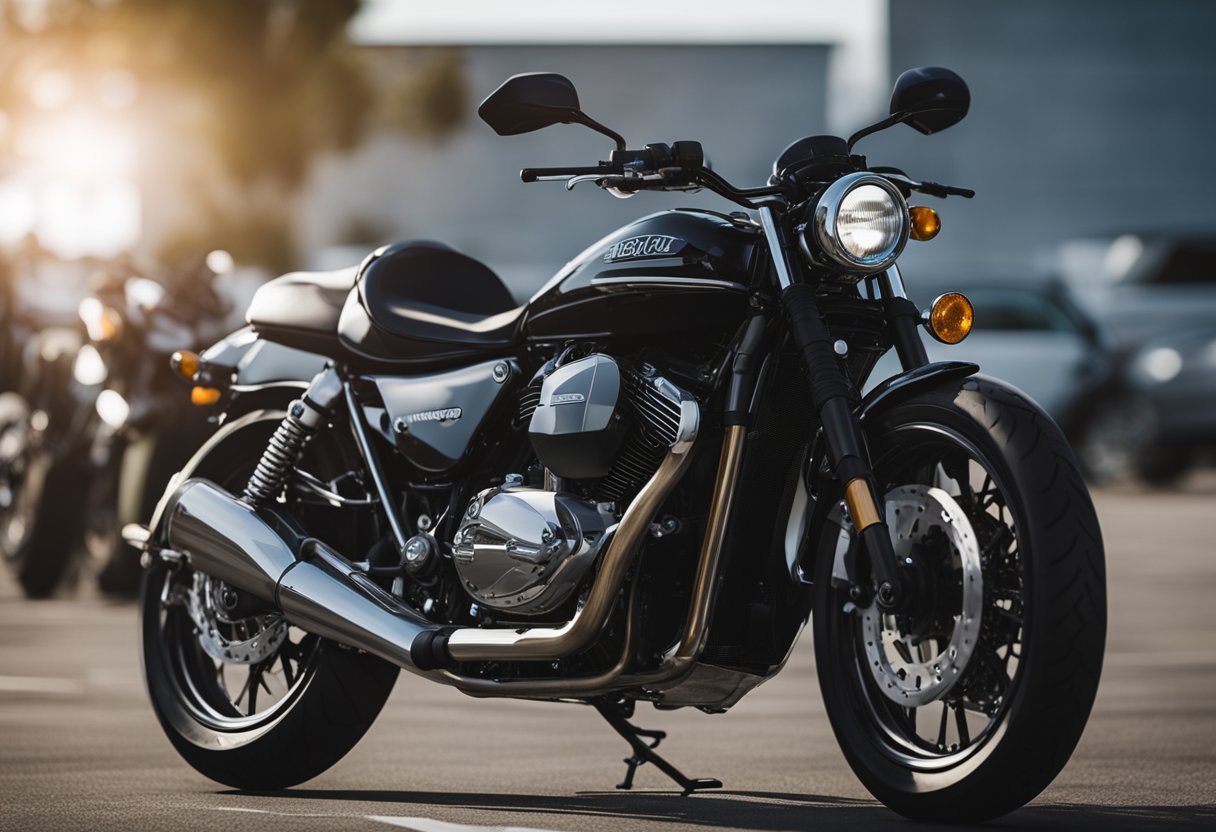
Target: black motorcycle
636	488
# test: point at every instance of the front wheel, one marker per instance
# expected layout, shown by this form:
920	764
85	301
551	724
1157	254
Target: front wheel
965	703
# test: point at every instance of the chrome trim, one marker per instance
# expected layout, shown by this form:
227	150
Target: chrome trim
775	250
825	215
670	283
325	594
680	659
891	283
473	644
320	592
225	538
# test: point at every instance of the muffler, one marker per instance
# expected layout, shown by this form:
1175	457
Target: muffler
314	587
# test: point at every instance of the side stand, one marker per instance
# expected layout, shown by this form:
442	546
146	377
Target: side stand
617	715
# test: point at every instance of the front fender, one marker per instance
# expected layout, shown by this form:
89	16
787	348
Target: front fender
904	386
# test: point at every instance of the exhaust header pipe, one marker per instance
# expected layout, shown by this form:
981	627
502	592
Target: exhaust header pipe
313	586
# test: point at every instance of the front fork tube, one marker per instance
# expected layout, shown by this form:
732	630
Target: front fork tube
830	395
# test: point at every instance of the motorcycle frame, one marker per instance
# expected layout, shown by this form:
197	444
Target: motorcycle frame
753	350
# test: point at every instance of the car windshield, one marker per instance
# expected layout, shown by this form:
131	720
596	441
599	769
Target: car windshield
1186	263
1001	309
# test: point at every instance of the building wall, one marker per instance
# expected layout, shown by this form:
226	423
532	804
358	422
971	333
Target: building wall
1087	117
744	103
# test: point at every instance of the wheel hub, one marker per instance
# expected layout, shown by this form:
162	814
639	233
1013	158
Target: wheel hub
917	655
247	641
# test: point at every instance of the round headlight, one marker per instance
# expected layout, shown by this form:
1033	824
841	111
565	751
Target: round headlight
861	223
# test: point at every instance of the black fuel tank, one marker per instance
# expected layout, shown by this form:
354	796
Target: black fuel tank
662	277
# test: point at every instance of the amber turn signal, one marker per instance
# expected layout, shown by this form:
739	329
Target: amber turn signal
203	396
184	363
925	223
950	318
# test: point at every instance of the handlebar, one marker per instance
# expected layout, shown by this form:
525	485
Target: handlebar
681	166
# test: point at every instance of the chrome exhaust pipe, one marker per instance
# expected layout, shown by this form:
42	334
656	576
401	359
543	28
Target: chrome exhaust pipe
314	587
320	591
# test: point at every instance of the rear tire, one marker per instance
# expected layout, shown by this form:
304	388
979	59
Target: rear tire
1048	567
327	695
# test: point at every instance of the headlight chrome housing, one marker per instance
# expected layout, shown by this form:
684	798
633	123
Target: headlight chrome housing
860	224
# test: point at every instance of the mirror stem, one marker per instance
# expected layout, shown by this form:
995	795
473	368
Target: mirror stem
889	121
579	117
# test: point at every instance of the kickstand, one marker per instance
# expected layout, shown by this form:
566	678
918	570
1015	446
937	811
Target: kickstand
617	715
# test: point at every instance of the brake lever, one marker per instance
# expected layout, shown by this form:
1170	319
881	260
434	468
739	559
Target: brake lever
578	180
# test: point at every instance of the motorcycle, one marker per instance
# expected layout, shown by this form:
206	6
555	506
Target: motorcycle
95	429
636	488
142	432
44	415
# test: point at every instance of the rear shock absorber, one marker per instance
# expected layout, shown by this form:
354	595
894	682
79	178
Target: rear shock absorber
304	416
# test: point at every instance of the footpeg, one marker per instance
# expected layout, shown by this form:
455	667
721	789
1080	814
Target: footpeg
644	742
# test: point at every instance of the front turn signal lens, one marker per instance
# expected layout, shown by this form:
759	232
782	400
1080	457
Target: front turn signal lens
925	223
184	363
950	318
203	396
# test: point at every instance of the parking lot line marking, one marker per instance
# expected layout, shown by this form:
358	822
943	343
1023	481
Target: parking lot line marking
415	824
40	684
430	825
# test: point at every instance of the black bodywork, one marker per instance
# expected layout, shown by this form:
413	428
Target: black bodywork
439	370
438	359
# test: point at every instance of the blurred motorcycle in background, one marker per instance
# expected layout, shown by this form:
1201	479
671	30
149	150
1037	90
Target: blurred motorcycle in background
96	430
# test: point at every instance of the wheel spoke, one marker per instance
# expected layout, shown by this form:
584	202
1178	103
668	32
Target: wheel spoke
252	684
960	722
288	674
941	730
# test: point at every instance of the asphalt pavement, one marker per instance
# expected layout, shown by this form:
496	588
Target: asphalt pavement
80	748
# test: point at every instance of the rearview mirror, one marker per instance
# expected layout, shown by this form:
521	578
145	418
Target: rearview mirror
530	102
930	99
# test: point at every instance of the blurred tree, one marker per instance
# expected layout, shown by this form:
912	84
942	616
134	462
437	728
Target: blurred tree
277	81
433	100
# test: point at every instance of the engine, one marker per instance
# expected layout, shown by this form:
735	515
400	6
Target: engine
602	428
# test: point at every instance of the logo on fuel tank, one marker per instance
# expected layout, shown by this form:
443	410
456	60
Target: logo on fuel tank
648	245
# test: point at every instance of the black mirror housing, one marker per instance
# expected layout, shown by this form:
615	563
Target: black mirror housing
530	101
930	99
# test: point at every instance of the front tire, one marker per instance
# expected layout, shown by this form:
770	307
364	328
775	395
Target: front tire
995	738
296	708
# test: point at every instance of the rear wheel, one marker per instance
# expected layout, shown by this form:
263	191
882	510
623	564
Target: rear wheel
966	703
244	697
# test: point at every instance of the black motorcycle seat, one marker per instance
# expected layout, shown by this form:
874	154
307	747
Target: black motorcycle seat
302	309
422	302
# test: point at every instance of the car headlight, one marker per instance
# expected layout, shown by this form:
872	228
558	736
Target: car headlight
860	223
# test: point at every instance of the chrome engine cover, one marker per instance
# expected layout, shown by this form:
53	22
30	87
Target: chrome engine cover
524	549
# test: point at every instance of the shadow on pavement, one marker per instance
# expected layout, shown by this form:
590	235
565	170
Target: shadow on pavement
759	810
